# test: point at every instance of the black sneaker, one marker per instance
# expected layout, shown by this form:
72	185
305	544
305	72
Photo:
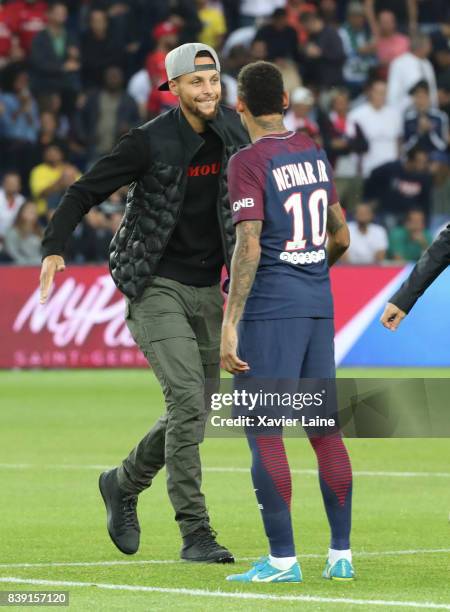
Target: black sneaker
122	520
201	546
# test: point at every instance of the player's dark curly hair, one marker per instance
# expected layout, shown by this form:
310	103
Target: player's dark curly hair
260	86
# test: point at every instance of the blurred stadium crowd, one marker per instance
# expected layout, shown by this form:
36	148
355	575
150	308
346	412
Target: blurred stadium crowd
369	81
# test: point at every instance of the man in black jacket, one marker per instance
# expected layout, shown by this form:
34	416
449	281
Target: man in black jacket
166	258
427	269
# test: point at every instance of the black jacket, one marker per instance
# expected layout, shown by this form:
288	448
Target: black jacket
434	261
153	159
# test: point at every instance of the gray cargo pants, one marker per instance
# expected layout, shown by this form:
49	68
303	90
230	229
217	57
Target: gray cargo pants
177	327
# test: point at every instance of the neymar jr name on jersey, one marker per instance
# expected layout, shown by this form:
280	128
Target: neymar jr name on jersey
300	173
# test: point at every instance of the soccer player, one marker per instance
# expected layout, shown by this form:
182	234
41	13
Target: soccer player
284	204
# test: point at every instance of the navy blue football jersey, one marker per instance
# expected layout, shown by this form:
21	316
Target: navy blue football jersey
286	181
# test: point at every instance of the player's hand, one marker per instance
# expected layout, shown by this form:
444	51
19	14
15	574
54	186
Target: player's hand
392	316
50	266
228	351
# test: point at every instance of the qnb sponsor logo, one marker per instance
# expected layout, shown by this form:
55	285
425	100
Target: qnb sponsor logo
244	203
302	259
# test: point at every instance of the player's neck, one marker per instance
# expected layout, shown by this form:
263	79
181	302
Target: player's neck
266	125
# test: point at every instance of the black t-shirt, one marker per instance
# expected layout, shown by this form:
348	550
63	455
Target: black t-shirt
194	254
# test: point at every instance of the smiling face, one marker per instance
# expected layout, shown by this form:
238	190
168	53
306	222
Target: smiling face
199	92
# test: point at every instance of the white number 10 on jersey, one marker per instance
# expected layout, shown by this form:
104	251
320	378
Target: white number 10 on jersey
317	200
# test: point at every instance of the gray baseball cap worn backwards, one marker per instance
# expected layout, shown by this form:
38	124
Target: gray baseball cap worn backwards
181	60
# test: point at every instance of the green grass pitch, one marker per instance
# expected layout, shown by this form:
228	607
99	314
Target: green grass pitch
57	430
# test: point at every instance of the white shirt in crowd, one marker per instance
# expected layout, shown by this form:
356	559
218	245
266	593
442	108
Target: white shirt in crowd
230	93
364	247
405	72
242	36
260	8
140	87
8	211
382	129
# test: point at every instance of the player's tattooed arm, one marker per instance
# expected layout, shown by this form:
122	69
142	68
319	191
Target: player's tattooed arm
338	234
243	270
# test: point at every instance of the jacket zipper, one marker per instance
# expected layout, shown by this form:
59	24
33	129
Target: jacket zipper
219	216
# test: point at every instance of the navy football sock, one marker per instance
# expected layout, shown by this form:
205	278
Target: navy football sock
335	477
272	482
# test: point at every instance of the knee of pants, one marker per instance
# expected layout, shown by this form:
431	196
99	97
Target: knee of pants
186	419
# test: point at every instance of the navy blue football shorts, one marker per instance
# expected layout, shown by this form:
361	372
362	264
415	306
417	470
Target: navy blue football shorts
292	374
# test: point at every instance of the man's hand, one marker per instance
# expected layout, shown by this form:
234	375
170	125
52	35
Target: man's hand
50	265
392	316
228	351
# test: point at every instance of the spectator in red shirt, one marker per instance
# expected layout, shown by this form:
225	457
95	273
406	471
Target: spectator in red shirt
10	49
5	36
389	43
165	35
295	9
31	18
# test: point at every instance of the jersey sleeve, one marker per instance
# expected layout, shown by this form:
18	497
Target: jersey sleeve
245	190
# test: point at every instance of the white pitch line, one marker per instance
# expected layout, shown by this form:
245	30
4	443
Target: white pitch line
227	595
362	553
225	470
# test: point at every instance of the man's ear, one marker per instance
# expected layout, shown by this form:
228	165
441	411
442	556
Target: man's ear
285	100
240	105
173	87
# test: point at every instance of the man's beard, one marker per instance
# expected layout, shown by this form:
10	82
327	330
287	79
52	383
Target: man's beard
193	108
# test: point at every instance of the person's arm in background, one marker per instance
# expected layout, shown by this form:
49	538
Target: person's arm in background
432	263
394	92
411	5
123	165
369	6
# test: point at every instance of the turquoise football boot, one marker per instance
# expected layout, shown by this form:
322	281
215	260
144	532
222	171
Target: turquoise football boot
263	571
341	571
